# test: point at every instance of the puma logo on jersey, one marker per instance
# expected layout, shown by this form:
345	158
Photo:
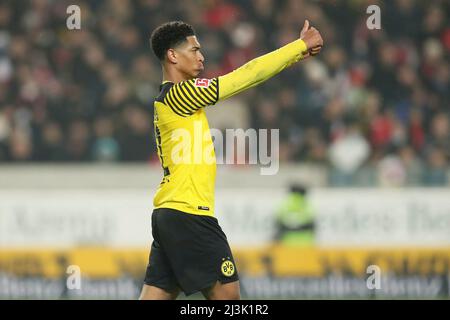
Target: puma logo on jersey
202	82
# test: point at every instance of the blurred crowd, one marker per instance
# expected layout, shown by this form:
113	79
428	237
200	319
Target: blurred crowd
374	106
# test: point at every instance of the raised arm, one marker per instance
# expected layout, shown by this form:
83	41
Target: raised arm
264	67
260	69
186	97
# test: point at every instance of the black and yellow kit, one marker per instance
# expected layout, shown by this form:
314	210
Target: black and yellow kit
190	250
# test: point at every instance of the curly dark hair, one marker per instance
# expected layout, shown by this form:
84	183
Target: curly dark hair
169	35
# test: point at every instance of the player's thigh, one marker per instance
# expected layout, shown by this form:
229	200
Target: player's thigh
223	291
155	293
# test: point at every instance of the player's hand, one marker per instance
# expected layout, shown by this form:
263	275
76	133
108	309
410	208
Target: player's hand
312	38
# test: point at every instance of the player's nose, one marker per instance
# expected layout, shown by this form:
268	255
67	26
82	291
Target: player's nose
201	58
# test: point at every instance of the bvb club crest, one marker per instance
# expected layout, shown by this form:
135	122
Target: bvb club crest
227	268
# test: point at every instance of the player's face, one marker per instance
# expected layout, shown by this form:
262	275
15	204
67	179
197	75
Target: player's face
190	59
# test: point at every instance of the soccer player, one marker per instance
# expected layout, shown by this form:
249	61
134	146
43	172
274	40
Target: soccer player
190	252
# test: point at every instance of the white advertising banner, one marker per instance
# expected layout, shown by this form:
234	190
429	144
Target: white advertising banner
121	217
383	217
68	217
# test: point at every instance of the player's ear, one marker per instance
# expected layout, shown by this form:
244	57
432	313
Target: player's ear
171	56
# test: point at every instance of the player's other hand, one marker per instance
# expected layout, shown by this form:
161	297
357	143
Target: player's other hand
311	36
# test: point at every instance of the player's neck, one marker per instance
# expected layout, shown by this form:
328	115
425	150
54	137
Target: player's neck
173	75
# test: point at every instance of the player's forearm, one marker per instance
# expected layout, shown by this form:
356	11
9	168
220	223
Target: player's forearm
260	69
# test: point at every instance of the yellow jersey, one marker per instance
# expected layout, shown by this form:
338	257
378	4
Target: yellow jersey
184	144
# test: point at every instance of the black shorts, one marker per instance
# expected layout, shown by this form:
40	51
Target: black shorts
189	251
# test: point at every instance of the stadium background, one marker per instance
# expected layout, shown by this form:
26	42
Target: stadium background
365	126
